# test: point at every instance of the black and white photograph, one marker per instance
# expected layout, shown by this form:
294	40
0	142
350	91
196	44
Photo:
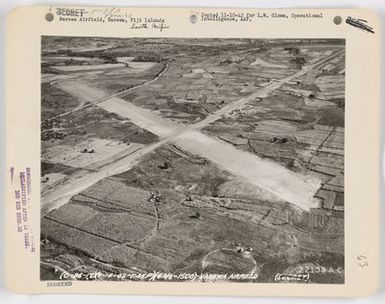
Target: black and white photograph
192	160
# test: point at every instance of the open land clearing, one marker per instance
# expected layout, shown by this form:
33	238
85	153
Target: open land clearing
301	128
119	225
193	157
274	178
147	120
75	156
77	68
85	141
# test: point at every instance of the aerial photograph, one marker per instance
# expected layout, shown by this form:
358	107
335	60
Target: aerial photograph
192	160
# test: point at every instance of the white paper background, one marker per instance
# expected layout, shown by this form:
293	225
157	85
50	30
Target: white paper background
6	5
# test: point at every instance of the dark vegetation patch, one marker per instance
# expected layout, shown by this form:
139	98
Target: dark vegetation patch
93	121
55	101
47	168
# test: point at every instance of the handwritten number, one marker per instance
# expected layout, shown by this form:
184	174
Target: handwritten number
362	261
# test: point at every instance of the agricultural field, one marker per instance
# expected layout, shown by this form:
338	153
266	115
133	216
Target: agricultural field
154	217
83	141
300	126
55	101
196	85
221	159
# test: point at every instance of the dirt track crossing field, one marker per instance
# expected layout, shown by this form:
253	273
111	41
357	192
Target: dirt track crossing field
190	156
148	120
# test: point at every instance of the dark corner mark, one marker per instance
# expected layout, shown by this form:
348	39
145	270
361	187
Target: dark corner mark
359	23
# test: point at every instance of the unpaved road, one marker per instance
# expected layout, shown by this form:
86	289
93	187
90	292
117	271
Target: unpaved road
269	176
